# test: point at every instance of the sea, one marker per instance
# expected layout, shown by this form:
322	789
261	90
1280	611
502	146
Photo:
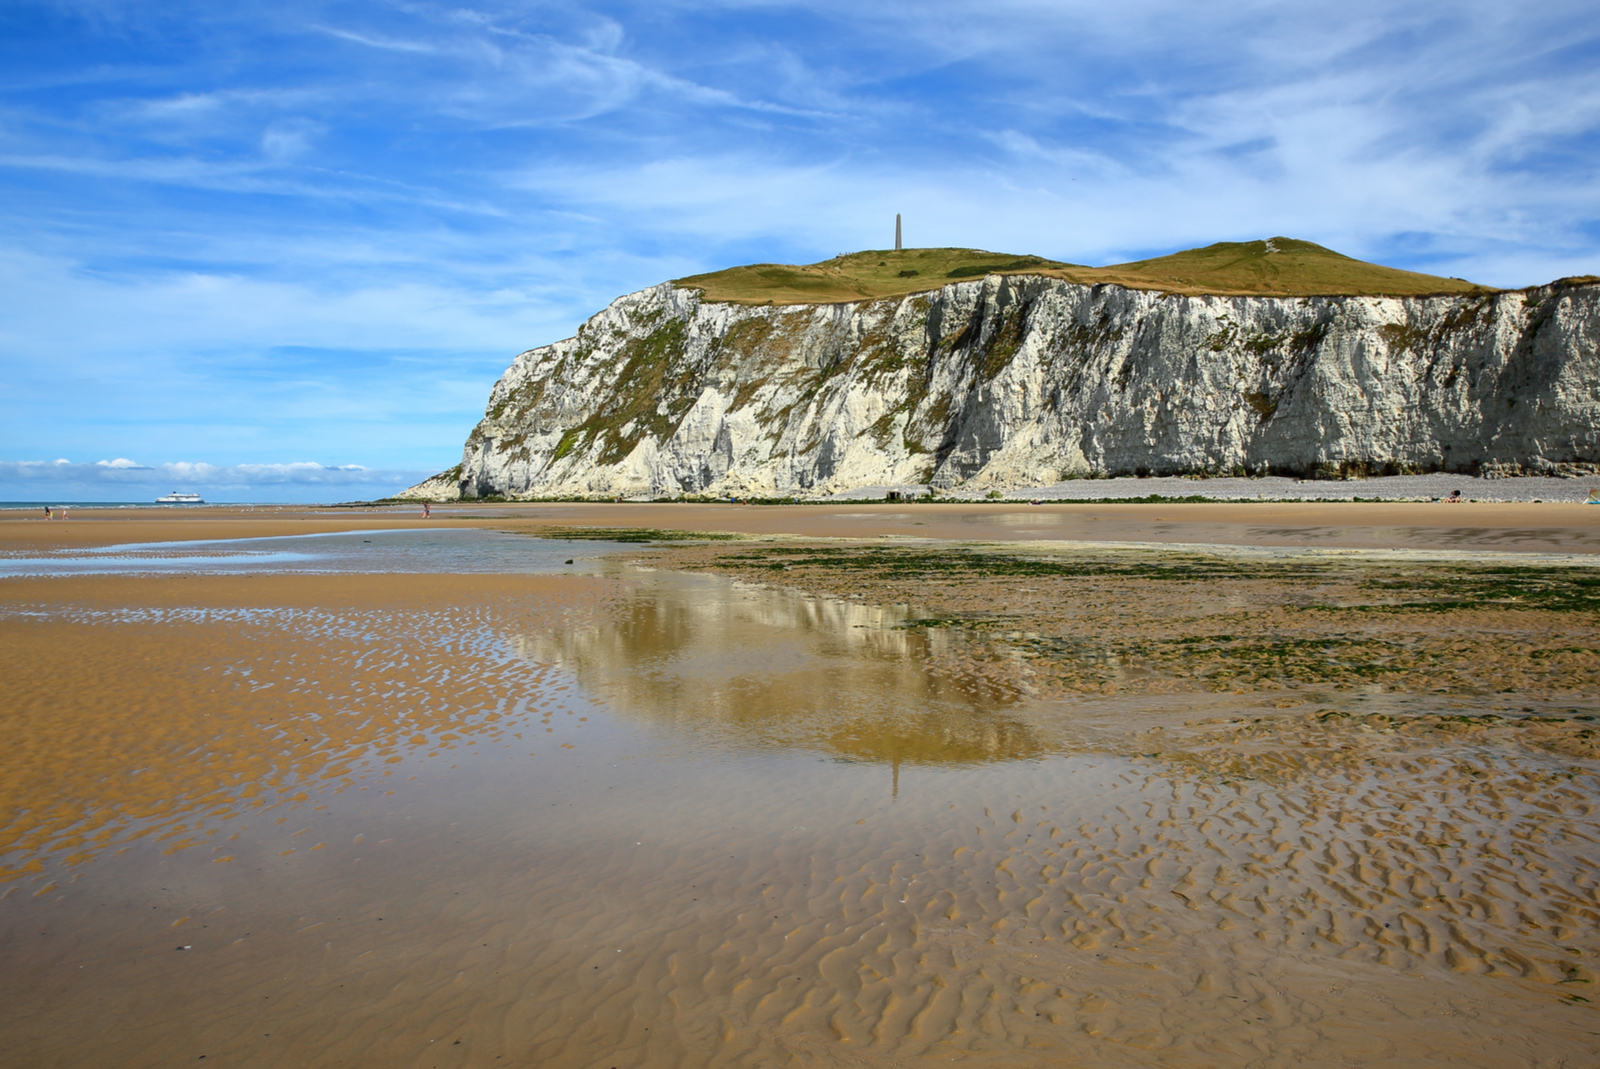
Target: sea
57	504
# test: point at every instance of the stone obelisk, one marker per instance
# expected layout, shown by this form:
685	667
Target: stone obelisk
896	231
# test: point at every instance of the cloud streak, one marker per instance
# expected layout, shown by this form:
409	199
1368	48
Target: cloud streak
122	479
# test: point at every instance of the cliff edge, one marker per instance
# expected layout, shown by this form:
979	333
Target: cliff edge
1025	374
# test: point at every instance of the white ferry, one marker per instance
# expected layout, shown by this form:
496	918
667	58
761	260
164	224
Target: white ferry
176	498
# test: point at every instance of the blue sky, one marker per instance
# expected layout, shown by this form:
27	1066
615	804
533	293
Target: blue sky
281	251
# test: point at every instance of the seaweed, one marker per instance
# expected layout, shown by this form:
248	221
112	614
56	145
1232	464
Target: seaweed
1497	586
912	563
630	535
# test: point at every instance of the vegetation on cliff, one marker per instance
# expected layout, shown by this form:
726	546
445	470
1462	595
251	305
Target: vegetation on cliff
1275	267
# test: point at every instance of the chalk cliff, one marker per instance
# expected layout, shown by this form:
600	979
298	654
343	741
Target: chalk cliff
1014	380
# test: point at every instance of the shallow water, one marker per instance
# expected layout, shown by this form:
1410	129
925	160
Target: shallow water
346	552
646	818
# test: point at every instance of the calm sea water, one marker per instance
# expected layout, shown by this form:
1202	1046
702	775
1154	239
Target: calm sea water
37	506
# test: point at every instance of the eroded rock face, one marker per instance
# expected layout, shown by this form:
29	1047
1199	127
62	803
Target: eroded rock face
1015	381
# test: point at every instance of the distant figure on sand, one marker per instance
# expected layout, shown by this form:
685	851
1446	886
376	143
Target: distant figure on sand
47	513
1455	497
426	510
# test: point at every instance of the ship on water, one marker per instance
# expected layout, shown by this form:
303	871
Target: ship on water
178	498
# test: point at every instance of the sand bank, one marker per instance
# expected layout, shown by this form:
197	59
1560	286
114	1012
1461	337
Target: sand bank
1511	526
85	527
1516	527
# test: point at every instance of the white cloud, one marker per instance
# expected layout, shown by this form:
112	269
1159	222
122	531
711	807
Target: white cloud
124	480
53	304
288	139
375	41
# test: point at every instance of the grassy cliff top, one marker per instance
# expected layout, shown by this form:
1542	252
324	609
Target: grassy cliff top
1277	267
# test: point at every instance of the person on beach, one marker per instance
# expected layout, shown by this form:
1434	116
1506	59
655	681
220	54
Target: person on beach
427	510
47	513
1455	497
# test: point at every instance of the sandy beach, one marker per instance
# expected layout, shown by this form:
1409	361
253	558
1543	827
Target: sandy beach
1517	527
1511	526
988	789
23	531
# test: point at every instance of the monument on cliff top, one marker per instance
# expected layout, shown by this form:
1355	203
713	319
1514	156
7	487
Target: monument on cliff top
896	231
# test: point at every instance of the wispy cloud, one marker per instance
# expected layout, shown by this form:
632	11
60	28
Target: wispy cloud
122	479
386	44
122	471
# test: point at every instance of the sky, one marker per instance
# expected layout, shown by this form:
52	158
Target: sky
281	251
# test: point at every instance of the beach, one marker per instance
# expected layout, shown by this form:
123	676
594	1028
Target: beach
1514	526
1188	784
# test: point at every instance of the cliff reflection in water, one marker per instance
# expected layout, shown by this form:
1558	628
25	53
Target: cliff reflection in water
736	666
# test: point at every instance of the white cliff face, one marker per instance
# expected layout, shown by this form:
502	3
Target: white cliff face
1017	381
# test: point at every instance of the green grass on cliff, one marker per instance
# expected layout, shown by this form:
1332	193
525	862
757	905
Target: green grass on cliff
1280	267
861	275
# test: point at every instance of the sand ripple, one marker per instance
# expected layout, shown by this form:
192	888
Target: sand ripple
561	869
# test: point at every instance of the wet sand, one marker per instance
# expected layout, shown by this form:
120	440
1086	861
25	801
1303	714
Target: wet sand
31	532
1513	527
1039	620
1503	526
167	707
741	804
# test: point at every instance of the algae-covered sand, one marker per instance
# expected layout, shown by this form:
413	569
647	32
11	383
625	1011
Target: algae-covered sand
1273	267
